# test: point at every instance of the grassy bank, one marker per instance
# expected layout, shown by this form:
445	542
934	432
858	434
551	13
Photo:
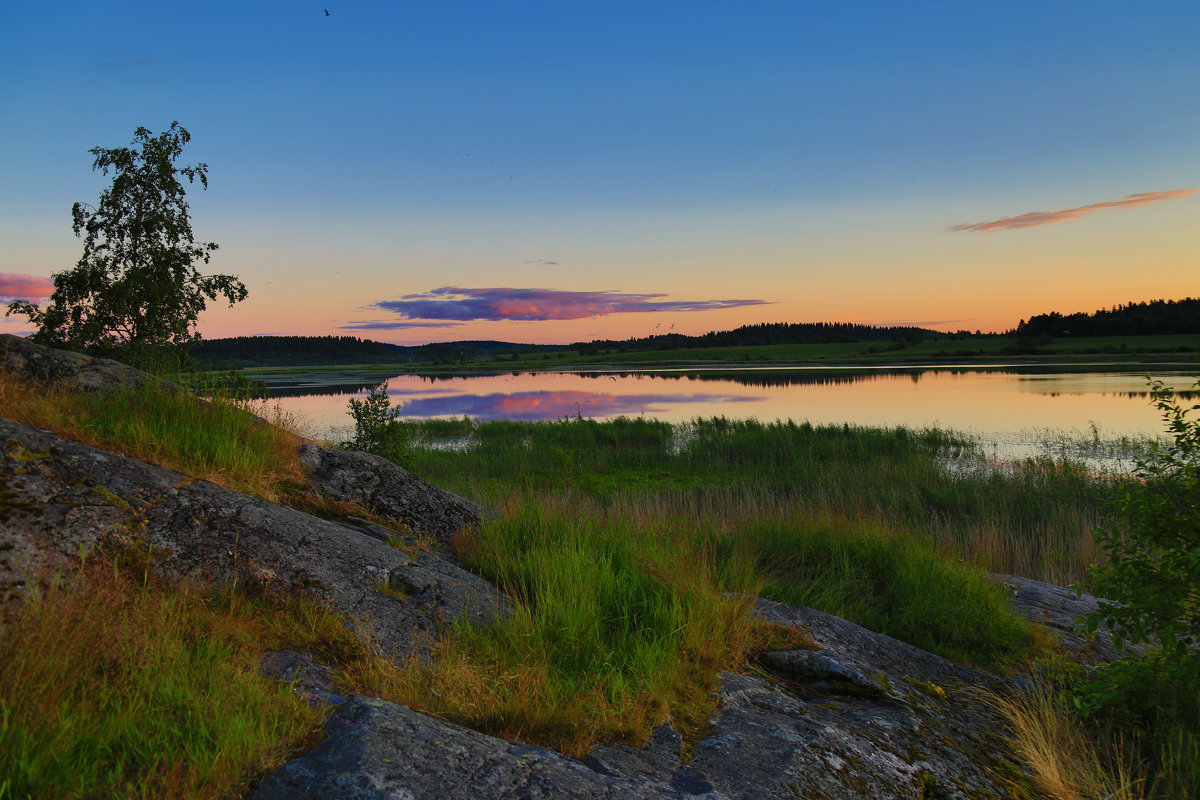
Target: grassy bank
220	439
112	686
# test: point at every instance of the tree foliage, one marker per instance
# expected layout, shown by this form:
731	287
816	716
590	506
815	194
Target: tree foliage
1151	580
1132	319
376	429
137	285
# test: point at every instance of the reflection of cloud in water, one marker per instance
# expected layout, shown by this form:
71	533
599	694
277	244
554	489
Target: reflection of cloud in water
551	405
781	378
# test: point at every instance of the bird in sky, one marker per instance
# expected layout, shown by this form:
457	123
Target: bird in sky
327	12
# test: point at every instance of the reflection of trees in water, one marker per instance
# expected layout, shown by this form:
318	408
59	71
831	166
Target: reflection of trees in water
322	390
769	378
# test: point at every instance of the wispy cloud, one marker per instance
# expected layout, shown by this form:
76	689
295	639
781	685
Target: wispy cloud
1035	218
506	303
392	325
135	63
541	261
14	286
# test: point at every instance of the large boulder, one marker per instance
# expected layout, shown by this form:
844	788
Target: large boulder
389	491
60	498
35	363
375	750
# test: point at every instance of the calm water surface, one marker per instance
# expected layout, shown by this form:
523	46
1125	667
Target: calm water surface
1016	410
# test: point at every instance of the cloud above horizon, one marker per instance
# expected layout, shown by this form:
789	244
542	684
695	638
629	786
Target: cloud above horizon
507	303
393	325
15	286
1036	218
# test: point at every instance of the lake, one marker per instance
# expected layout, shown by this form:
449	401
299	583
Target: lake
1020	411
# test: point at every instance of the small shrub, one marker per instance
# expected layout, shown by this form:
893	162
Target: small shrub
376	429
1151	589
1151	579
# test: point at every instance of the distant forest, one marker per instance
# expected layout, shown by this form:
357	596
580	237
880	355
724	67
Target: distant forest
281	351
292	351
766	333
1133	319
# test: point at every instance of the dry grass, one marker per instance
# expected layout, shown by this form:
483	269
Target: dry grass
1063	763
112	687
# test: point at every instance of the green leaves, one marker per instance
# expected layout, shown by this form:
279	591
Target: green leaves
376	429
1151	581
136	288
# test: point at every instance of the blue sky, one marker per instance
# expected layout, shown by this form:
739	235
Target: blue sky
809	157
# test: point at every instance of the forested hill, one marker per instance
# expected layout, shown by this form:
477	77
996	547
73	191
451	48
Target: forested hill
272	351
292	351
1134	319
766	333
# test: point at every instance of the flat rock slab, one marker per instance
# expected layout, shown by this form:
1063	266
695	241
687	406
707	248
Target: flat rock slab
865	716
60	498
375	750
1061	611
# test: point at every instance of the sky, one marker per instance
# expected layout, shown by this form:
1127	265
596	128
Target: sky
555	172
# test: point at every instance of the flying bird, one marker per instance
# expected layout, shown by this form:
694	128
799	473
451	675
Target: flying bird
326	12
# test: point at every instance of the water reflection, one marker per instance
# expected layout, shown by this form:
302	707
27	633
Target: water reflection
993	402
543	405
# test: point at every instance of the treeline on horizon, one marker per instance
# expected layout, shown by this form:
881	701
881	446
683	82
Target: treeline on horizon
1132	319
266	351
291	350
765	333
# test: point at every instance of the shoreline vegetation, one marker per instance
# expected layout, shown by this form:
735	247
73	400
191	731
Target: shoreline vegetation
985	350
630	550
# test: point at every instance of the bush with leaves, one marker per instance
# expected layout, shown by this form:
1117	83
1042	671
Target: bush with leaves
1151	579
376	429
1150	595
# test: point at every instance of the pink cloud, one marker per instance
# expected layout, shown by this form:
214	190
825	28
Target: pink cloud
507	303
14	286
1035	218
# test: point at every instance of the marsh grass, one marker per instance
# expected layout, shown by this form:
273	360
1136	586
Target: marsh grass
624	619
1035	519
113	686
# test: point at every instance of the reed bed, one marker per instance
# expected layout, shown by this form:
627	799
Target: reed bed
1033	519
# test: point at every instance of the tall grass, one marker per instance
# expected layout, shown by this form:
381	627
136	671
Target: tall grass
618	626
1063	763
113	687
1035	520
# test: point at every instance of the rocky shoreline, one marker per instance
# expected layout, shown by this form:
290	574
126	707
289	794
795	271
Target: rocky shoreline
862	716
